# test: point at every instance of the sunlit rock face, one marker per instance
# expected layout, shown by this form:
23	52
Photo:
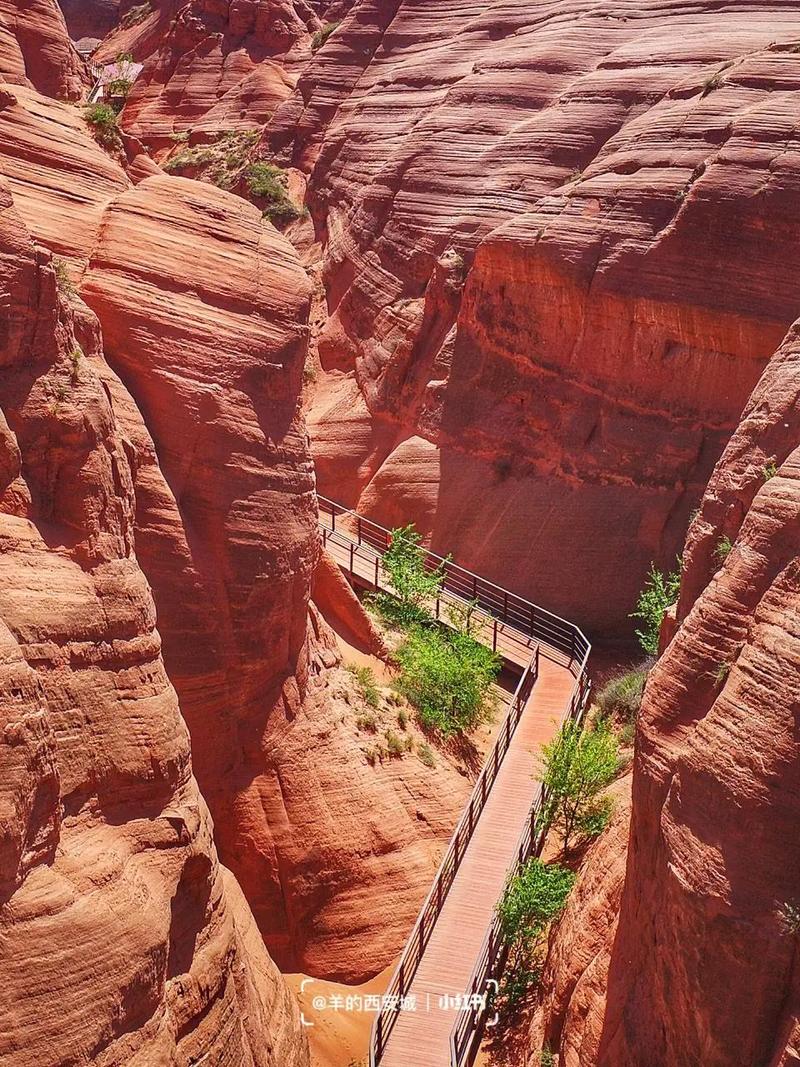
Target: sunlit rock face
35	49
203	308
560	247
688	952
124	940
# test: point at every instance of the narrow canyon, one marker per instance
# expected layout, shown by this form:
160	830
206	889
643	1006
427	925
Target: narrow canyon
288	287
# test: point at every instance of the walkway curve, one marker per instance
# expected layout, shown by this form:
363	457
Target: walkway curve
435	1008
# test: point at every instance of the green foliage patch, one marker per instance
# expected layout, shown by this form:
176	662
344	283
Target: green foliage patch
660	592
448	677
577	765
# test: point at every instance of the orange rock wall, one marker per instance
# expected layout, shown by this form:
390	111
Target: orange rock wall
124	941
703	962
559	251
35	49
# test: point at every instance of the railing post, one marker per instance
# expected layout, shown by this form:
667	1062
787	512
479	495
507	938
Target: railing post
505	605
377	565
358	528
402	977
352	549
474	586
379	1041
494	636
533	620
438	895
333	517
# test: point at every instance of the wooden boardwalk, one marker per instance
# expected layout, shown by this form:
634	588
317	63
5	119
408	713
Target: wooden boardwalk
422	1038
439	971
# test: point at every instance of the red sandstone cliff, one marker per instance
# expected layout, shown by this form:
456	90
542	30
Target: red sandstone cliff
701	964
560	244
35	49
203	308
210	66
124	941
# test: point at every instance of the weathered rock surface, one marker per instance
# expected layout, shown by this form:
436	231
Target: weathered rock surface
210	67
124	941
560	248
703	965
94	18
204	308
35	49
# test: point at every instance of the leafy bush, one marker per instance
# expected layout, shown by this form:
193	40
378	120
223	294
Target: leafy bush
448	677
578	764
425	753
723	549
534	896
395	745
64	282
103	118
596	817
402	718
322	35
367	722
367	684
770	470
660	592
621	697
271	184
413	582
546	1057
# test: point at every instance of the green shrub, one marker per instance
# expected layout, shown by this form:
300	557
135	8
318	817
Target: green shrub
366	683
448	677
322	35
621	697
367	722
396	745
770	470
546	1057
414	584
596	817
578	764
425	753
103	119
64	282
723	549
660	592
722	672
533	897
271	184
75	359
402	718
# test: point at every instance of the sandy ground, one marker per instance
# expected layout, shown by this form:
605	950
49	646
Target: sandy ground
338	1038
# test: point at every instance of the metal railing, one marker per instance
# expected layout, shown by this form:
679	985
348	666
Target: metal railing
420	935
501	614
491	962
501	604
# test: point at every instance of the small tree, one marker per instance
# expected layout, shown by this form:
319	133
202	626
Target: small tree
533	897
578	764
414	583
448	677
660	592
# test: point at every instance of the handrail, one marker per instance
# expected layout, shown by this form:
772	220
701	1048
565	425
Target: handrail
494	951
507	607
451	861
521	621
